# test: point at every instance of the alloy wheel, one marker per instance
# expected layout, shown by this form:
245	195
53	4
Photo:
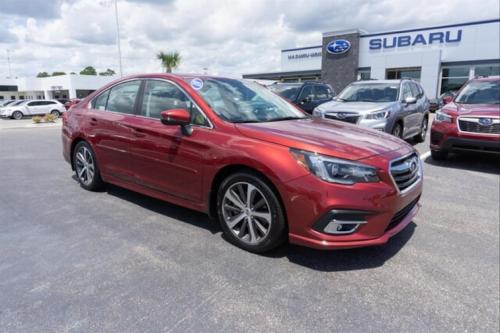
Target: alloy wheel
85	166
17	115
246	212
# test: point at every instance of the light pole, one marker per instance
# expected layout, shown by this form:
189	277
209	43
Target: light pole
8	62
118	38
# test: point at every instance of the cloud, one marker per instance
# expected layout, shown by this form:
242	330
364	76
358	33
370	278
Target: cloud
42	9
227	37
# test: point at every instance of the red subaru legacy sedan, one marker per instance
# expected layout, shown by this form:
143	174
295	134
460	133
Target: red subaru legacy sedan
471	122
265	170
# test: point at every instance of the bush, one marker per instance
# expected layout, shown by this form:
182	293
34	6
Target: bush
37	119
49	118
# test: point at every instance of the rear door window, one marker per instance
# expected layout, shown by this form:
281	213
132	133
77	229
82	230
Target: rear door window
122	97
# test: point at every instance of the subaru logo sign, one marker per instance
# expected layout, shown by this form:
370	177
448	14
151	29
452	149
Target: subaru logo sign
485	121
338	46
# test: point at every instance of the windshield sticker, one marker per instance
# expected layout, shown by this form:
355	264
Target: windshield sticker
196	83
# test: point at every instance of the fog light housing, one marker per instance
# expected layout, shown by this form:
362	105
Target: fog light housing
340	227
341	222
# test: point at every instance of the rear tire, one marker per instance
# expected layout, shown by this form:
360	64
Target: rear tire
439	155
250	213
423	131
86	168
55	113
17	115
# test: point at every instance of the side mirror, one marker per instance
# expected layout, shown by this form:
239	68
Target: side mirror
410	100
177	117
447	99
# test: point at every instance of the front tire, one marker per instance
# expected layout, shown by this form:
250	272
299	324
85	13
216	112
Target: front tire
86	168
250	213
17	115
55	113
397	130
439	155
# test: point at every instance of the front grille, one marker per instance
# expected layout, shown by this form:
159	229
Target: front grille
399	216
473	125
343	116
406	171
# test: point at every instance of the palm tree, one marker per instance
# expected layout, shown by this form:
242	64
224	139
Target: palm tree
169	60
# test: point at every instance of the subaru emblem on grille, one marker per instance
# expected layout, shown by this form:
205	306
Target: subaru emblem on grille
413	165
341	115
485	121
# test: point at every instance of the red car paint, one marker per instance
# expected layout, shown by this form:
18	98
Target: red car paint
137	153
447	136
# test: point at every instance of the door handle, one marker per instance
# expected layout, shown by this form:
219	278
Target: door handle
138	132
93	121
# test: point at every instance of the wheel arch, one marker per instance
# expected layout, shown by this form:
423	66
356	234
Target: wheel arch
228	170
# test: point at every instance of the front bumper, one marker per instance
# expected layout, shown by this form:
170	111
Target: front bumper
388	211
446	137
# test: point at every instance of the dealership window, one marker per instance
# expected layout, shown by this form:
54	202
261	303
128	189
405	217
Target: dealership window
453	77
403	73
491	70
364	73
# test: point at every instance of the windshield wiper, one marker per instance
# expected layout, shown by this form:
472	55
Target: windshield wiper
286	118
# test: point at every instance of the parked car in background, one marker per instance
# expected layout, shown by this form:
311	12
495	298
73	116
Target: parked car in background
4	103
306	95
398	107
231	148
471	122
71	102
20	109
443	99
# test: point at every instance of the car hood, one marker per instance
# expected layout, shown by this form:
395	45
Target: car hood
489	110
358	107
329	137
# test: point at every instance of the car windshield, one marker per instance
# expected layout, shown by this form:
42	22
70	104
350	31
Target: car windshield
17	103
370	92
240	101
288	91
480	92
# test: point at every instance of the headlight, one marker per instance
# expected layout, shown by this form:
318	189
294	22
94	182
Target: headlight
316	112
442	117
335	170
378	115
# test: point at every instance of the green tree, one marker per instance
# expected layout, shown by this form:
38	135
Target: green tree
89	70
43	74
108	72
169	60
58	73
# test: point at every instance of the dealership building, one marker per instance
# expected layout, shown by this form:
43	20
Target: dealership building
53	87
442	58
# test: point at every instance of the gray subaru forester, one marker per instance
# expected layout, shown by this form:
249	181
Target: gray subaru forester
399	107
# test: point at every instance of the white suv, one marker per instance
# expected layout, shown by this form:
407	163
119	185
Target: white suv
20	109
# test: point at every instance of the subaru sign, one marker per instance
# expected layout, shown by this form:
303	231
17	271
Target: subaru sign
439	37
338	46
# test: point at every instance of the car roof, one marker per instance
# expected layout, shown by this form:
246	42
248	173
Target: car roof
378	81
487	78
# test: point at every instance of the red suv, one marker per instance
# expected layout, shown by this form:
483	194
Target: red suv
231	148
471	122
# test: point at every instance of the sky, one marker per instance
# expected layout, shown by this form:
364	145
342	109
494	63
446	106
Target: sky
220	37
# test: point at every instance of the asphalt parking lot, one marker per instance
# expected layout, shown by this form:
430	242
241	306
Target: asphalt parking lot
116	261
